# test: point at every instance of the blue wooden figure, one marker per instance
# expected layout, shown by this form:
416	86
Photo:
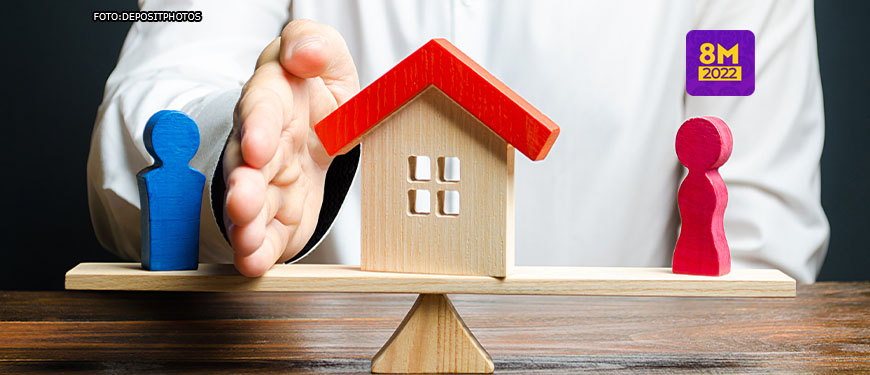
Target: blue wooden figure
170	193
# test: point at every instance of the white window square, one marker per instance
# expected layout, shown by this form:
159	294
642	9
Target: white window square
449	168
449	202
418	201
420	169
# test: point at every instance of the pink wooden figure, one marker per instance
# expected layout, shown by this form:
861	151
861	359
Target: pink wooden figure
703	145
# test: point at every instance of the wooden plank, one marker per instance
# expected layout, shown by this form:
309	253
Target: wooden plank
591	281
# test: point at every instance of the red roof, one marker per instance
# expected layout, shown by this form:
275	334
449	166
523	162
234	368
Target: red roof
441	64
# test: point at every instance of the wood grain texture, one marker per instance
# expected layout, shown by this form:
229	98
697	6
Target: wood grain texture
609	281
441	64
824	330
170	194
479	241
432	339
703	145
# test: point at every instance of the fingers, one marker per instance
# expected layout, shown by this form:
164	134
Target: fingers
246	192
309	49
299	79
260	260
250	205
280	229
248	238
264	109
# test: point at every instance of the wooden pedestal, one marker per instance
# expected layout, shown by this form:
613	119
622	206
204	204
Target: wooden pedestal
432	339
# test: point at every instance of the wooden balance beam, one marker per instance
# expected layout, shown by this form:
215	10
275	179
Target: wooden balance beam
433	338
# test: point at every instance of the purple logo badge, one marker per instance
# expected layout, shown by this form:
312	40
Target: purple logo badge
720	62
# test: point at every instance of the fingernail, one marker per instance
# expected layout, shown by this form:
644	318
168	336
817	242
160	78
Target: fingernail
307	42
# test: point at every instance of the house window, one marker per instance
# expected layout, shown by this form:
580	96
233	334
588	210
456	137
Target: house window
448	202
418	201
448	169
419	195
419	168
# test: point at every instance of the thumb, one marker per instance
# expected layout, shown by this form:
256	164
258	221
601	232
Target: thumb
310	50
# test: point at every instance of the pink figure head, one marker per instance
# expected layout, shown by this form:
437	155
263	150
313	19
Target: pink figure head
704	143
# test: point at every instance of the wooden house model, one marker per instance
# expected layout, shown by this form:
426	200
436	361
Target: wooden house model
438	134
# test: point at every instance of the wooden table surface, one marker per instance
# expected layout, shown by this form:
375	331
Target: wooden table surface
826	329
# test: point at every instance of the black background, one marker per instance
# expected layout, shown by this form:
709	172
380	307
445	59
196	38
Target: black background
56	62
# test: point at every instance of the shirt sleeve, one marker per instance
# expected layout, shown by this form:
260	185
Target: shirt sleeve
774	216
196	67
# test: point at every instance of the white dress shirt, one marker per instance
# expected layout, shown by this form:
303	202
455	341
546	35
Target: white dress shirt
609	73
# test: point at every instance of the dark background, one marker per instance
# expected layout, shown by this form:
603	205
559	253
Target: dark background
56	62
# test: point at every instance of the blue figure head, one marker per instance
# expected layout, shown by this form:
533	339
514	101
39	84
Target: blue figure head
172	138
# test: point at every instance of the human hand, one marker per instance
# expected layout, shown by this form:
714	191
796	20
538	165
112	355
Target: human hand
274	164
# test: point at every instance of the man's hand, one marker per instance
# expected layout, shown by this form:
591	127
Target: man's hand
274	164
